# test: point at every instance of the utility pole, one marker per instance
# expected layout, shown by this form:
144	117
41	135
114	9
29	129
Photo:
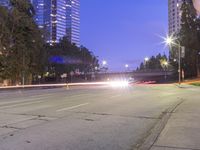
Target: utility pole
179	63
23	71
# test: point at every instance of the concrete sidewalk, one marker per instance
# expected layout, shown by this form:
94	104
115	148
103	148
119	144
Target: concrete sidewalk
190	81
182	131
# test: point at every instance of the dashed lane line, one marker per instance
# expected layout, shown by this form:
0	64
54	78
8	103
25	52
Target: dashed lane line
23	104
72	107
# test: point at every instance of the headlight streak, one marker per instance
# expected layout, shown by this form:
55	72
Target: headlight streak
115	84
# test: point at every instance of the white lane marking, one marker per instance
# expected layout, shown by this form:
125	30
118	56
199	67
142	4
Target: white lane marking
28	103
18	101
77	96
73	107
115	96
43	95
33	96
32	99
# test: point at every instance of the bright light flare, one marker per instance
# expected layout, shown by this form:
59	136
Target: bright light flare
146	59
104	62
106	83
165	63
169	40
126	66
119	84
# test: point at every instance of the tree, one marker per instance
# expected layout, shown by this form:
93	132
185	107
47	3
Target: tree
65	57
154	63
24	52
4	42
189	37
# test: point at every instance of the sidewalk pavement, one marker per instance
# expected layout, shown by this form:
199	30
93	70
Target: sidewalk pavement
197	80
182	131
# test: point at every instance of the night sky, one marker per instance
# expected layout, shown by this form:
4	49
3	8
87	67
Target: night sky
124	31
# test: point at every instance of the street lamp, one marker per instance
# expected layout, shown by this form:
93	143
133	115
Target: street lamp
165	64
104	62
169	40
126	66
146	59
96	68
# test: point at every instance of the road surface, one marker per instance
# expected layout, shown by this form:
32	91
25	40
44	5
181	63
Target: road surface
89	118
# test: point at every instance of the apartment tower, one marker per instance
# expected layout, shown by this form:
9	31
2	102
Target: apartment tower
58	18
174	22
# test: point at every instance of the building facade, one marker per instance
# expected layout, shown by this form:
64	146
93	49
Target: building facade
73	21
58	18
174	10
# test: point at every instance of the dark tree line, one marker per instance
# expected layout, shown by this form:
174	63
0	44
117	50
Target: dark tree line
155	63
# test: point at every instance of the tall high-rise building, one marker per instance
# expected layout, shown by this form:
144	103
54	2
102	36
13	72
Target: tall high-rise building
58	18
174	11
73	21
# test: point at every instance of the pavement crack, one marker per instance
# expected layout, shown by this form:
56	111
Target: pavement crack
39	116
173	147
28	141
150	138
89	120
92	113
144	117
11	127
40	119
127	116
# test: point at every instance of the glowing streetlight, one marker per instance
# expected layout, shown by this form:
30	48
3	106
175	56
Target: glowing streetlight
165	66
126	66
165	63
104	62
146	59
96	68
104	65
170	40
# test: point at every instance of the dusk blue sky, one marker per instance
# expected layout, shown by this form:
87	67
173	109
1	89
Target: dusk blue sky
124	31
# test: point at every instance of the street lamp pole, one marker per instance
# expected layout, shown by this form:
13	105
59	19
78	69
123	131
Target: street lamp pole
104	63
23	71
126	66
179	63
171	41
146	59
165	64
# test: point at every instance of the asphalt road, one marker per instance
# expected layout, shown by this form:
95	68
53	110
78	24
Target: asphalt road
89	118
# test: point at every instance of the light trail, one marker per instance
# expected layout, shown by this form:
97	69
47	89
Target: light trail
109	83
